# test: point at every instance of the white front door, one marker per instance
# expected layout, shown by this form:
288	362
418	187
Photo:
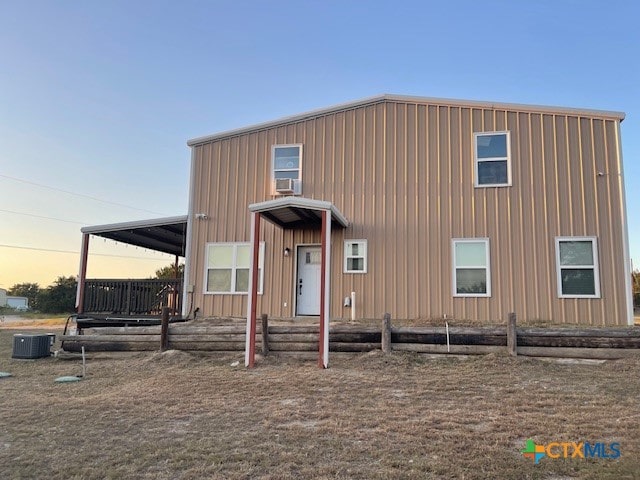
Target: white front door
308	281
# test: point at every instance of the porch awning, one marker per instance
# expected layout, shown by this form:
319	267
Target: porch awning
298	212
167	235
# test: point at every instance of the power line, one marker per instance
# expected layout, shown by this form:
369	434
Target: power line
78	253
42	216
78	194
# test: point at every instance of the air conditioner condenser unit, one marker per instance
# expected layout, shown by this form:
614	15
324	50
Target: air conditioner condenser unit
31	346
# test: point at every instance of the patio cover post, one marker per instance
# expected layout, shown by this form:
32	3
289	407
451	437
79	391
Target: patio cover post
174	293
252	299
325	289
82	276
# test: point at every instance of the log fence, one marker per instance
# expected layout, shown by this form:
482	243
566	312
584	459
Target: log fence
600	343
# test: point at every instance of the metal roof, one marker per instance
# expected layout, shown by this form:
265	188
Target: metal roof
415	99
298	212
167	235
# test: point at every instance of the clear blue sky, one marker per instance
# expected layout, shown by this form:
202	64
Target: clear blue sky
99	98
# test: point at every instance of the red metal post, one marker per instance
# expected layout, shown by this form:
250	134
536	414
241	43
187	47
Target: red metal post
174	293
323	292
253	291
84	255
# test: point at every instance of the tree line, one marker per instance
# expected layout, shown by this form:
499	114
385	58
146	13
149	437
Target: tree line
59	297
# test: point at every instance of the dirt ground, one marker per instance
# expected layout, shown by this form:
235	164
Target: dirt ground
179	416
23	321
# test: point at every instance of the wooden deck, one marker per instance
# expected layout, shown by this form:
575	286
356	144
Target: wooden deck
85	322
129	298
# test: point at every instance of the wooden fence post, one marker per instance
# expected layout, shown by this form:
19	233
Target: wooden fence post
164	329
512	339
386	333
265	334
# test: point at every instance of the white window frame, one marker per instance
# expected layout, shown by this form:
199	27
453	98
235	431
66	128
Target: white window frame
347	255
299	169
595	267
477	160
233	268
487	268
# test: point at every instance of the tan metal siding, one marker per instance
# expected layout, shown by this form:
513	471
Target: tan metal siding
403	174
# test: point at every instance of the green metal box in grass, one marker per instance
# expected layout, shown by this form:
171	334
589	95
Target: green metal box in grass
31	346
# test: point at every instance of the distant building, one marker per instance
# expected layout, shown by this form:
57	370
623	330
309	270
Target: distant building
19	303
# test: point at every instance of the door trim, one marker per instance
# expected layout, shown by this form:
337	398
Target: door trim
295	278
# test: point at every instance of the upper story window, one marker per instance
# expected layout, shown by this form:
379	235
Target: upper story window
577	267
471	267
227	267
287	169
493	159
355	256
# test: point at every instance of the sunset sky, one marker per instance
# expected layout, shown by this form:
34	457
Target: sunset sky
98	99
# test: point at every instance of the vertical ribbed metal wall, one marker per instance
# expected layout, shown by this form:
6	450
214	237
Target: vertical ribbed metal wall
403	174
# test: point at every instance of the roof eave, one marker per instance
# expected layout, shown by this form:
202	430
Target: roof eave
300	202
288	119
154	222
614	115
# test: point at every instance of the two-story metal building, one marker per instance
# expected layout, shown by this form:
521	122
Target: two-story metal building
427	208
438	209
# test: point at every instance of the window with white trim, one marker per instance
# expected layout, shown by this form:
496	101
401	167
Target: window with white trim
577	267
227	267
492	159
287	168
471	267
355	256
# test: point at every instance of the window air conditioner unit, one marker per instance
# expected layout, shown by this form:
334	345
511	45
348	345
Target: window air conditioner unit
287	186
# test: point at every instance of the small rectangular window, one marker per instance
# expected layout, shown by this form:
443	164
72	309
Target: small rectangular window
471	267
355	256
577	267
493	159
287	169
227	267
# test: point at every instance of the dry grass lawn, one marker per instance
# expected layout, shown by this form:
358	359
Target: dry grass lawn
178	416
32	321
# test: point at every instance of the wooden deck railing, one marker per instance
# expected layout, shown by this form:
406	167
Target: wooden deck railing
132	297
